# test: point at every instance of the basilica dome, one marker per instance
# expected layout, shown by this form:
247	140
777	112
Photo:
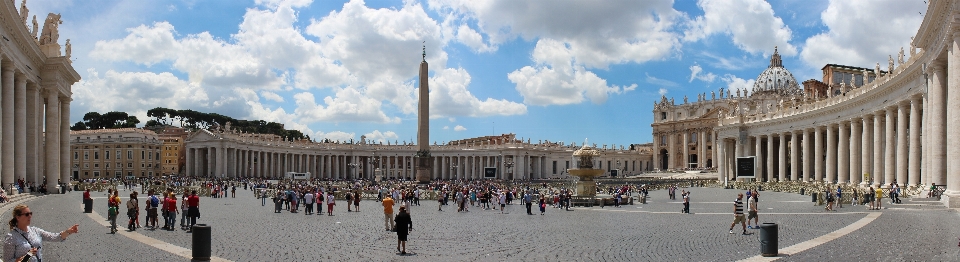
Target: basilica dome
775	79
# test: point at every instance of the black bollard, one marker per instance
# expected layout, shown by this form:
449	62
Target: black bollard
768	240
88	206
201	242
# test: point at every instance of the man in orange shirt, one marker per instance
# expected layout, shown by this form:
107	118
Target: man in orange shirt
388	213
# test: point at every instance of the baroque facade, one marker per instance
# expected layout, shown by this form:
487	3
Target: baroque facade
901	127
228	153
115	153
36	80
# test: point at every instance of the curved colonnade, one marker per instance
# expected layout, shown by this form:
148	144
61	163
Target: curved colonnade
894	129
231	154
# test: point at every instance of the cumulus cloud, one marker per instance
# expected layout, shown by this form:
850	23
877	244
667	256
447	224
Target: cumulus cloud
695	73
271	96
735	83
358	58
450	97
662	91
557	80
334	136
571	39
751	24
863	33
377	136
459	128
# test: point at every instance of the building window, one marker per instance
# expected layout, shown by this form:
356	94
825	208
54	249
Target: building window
129	164
693	137
129	154
554	167
76	155
86	155
663	140
96	165
107	165
106	154
96	155
663	115
118	155
143	154
567	164
86	165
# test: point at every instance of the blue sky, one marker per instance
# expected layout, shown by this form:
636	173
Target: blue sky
544	70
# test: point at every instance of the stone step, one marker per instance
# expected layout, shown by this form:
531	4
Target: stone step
16	200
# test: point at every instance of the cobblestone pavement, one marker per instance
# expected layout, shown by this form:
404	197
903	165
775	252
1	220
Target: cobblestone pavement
243	230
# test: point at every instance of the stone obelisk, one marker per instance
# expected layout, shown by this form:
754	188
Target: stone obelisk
423	160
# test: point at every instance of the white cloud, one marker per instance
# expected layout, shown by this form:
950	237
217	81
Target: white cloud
271	96
377	136
751	24
459	128
558	81
349	105
446	127
334	136
695	73
449	97
662	91
735	83
598	33
862	33
472	39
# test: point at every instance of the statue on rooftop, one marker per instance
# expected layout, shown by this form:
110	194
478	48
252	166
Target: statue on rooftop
913	48
50	29
24	12
900	57
69	49
713	96
35	28
889	64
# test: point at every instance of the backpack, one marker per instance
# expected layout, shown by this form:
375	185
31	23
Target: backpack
154	201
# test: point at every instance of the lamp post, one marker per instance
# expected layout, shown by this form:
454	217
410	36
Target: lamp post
508	163
376	167
618	167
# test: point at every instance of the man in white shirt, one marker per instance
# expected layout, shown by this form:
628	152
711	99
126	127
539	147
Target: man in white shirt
308	202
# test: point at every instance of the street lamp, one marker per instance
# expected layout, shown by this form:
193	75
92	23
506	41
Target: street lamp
508	163
618	167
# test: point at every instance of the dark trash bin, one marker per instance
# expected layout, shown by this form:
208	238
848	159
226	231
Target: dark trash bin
201	242
768	240
88	206
759	188
802	190
813	196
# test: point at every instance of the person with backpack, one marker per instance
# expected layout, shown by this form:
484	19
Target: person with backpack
133	208
152	203
349	197
114	209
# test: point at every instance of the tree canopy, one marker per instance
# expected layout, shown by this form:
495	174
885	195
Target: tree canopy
94	120
198	120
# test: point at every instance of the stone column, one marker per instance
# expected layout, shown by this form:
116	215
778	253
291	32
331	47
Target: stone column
866	153
769	157
7	136
672	153
807	156
794	155
782	157
656	149
936	125
721	160
914	174
877	148
818	153
902	153
64	129
953	120
685	159
856	151
190	162
890	150
831	166
702	148
33	132
758	164
843	153
51	138
20	127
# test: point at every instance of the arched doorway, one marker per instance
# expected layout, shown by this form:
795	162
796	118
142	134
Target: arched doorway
664	159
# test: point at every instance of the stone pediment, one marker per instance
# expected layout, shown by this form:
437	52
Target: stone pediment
201	136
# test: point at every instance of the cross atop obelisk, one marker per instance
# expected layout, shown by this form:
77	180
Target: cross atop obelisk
423	160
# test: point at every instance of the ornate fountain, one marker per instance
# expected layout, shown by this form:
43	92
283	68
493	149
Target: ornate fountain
585	171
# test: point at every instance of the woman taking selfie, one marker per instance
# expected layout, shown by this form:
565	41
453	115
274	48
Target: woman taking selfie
24	242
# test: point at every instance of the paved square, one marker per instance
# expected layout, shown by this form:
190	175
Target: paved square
243	230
